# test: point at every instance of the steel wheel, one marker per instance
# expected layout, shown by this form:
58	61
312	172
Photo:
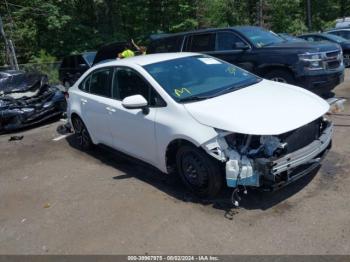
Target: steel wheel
199	172
194	170
81	133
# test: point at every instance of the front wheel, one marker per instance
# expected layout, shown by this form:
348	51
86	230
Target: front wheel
199	172
281	76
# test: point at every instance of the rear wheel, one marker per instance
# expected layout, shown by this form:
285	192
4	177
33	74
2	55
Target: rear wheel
280	75
81	133
199	172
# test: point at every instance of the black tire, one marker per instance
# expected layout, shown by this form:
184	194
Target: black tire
280	75
199	172
82	134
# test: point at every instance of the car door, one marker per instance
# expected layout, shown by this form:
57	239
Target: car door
95	104
223	45
233	49
133	130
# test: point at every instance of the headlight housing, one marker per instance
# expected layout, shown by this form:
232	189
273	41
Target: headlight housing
312	61
341	56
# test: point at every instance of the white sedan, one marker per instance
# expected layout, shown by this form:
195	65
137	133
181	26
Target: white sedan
207	120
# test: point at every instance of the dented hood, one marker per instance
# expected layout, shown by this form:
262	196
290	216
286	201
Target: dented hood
265	108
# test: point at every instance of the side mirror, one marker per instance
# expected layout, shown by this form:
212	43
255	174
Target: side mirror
136	102
240	45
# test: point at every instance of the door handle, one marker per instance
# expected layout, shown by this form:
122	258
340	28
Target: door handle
110	109
83	100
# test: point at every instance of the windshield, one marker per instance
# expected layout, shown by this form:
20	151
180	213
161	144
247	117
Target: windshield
291	38
89	57
199	77
336	38
260	37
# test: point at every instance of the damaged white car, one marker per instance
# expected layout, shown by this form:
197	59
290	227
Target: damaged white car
210	121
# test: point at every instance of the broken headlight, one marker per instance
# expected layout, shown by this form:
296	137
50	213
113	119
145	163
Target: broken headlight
256	146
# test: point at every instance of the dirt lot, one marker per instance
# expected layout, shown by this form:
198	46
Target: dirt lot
56	199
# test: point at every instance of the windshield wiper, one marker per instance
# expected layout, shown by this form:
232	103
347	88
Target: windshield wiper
194	98
236	87
226	90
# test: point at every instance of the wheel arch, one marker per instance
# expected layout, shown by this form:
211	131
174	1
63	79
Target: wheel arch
75	114
171	149
263	70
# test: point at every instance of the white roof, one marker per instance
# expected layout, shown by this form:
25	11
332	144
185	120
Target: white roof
148	59
344	19
339	29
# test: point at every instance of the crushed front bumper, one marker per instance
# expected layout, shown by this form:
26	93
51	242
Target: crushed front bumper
273	173
305	154
298	164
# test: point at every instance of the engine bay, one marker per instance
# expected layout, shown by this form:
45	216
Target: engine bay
250	160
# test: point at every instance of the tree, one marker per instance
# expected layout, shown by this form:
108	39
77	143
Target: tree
60	27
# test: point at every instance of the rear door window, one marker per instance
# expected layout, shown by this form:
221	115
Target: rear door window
85	84
201	42
100	83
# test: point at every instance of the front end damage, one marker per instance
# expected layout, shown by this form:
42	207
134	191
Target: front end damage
271	161
30	106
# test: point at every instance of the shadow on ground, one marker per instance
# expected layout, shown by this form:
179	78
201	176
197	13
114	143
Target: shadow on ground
27	127
172	185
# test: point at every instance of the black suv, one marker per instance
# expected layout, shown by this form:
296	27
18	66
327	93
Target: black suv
73	66
317	67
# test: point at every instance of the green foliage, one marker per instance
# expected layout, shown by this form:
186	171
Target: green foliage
46	29
43	57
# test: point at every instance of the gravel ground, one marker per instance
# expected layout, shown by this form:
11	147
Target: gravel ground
56	199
